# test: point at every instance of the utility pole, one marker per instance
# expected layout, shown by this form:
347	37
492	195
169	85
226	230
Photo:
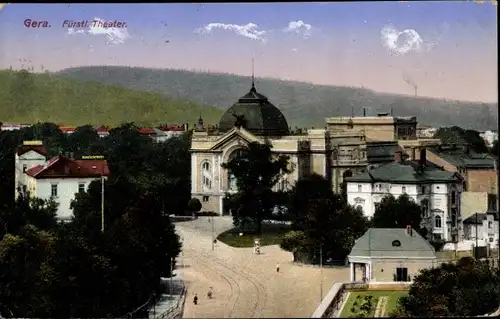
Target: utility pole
102	203
171	274
475	254
321	271
213	234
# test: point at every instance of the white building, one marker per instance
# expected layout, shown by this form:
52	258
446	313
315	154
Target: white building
437	191
484	226
27	156
58	178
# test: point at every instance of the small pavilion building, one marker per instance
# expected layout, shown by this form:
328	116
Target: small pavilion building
390	254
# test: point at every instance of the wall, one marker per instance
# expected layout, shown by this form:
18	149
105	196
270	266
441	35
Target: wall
30	159
67	187
434	158
482	180
385	269
473	202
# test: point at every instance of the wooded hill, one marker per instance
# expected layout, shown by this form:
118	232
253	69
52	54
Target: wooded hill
304	104
30	98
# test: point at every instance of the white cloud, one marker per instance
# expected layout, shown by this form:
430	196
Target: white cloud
299	27
295	49
249	30
112	35
402	42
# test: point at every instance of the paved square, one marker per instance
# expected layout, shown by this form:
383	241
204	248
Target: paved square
245	284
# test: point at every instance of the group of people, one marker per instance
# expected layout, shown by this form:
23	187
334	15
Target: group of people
209	296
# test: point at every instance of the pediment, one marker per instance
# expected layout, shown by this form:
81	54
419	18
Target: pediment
240	135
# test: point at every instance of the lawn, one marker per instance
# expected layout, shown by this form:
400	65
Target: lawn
352	305
271	235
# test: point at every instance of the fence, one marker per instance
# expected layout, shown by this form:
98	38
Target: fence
177	309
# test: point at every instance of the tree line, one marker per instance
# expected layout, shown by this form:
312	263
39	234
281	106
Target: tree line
53	270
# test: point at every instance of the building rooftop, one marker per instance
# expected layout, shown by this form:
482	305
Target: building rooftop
405	172
256	114
63	167
392	242
479	217
465	159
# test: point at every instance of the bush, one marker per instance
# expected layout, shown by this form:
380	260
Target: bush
437	244
194	205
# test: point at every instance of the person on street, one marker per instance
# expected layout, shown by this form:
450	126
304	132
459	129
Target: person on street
277	267
195	299
209	294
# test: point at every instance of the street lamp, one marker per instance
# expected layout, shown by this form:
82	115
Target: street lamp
213	233
102	202
321	271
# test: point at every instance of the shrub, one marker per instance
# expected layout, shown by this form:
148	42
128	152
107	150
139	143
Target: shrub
194	205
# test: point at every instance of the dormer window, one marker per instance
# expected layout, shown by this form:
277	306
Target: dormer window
25	167
350	124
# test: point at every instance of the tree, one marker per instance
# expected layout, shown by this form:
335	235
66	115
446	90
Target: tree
194	205
325	219
257	170
494	148
466	289
398	213
458	136
84	141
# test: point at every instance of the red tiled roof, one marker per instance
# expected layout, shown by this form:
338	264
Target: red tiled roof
63	167
26	148
146	130
66	129
177	128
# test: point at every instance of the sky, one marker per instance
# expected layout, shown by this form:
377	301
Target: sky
437	49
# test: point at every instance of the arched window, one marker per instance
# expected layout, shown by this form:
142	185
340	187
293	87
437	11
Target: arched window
206	166
437	221
453	197
206	176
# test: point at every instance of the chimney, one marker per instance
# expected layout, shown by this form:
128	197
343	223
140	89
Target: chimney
398	157
364	112
409	231
423	158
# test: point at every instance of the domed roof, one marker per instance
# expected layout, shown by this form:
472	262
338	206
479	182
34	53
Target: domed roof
255	113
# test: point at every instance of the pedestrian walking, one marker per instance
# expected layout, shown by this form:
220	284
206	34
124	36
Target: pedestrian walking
278	267
195	299
209	294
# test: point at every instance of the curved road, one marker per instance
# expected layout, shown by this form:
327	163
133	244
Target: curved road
245	284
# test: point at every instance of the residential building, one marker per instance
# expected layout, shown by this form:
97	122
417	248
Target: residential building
435	190
478	172
390	254
27	156
482	227
60	178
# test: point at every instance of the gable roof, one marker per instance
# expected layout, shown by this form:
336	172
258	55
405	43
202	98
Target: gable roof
235	133
63	167
406	172
378	242
27	148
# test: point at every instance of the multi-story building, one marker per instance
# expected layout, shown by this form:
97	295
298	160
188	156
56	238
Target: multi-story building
478	172
58	178
27	156
482	227
435	190
345	147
